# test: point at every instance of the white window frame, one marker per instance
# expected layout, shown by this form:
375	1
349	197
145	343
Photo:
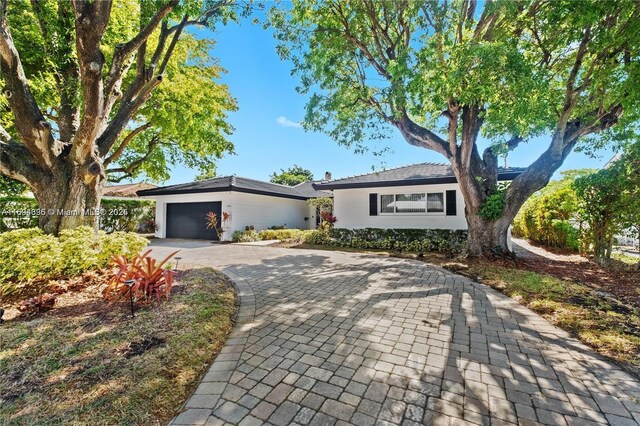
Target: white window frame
425	213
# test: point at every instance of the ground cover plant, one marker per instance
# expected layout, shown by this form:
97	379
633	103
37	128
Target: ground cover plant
89	362
30	259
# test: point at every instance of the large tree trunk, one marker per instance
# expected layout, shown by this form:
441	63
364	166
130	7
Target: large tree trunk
63	163
487	236
68	200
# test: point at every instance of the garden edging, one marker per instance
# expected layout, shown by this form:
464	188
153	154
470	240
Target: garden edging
204	399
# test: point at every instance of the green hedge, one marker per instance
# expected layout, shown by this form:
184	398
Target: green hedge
245	236
27	254
249	235
282	234
119	215
415	240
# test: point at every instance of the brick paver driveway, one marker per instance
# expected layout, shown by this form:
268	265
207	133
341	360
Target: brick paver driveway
337	338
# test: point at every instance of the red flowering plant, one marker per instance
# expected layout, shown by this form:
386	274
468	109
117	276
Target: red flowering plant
152	279
212	223
327	221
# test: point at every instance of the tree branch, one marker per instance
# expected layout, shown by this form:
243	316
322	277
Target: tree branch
91	22
203	19
538	174
146	81
66	67
417	135
27	114
123	51
17	162
471	125
134	165
172	45
118	152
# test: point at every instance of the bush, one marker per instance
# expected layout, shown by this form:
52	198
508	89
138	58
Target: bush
18	213
152	279
27	254
282	234
246	236
316	237
548	217
415	240
139	215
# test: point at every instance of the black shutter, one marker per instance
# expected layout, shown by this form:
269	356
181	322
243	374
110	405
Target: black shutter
451	203
373	204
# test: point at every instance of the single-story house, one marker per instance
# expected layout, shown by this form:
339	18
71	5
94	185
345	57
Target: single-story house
181	209
422	196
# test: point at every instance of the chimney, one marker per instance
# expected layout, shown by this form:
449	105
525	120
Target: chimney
327	175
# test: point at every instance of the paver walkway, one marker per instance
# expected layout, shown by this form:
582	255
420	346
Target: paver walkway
343	338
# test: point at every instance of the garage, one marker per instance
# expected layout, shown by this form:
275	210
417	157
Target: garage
246	203
187	220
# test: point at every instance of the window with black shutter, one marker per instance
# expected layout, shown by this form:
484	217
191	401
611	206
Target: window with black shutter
451	203
373	204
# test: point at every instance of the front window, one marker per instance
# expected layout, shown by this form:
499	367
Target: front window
387	204
412	203
435	202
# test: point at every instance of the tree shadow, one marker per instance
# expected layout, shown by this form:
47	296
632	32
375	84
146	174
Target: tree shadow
400	341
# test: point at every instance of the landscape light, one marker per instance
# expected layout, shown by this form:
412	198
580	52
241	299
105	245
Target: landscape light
130	283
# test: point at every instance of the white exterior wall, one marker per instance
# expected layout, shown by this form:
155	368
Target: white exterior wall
261	211
351	208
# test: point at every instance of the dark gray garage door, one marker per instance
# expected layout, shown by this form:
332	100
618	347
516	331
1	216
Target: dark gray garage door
187	220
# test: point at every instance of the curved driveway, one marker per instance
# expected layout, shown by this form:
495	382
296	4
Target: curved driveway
343	338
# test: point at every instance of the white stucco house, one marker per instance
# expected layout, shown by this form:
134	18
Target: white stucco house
419	196
181	209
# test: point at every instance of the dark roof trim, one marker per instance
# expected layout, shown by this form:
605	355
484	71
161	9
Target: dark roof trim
229	188
403	182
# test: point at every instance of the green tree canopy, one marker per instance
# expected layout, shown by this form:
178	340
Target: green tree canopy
550	216
609	201
184	122
98	90
446	73
292	176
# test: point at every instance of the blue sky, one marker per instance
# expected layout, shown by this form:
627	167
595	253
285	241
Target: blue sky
268	138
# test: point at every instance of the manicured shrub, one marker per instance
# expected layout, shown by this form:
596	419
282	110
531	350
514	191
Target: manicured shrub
316	237
550	217
281	234
246	236
124	243
18	213
415	240
27	254
128	215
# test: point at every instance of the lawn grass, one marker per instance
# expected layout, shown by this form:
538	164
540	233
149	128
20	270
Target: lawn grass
609	327
625	259
105	368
